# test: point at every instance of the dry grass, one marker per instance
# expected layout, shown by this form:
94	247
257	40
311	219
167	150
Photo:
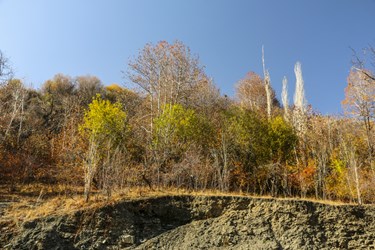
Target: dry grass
35	201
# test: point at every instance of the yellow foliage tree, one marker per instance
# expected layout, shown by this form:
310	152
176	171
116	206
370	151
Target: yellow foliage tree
104	127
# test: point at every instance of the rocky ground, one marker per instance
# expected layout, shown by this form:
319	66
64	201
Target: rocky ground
203	222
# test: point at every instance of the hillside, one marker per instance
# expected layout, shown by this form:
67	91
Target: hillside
203	222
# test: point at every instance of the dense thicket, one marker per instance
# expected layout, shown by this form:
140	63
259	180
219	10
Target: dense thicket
176	130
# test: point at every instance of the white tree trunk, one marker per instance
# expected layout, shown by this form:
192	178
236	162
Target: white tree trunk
299	114
267	85
356	177
299	96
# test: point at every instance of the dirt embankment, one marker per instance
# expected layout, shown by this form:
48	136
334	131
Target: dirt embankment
203	222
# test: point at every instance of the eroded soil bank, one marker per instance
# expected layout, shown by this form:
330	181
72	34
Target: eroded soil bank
203	222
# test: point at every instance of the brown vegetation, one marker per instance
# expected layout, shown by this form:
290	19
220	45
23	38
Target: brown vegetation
177	132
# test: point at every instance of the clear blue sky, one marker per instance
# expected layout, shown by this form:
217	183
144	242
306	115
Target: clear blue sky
97	37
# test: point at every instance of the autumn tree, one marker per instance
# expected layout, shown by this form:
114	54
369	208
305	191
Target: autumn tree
11	94
58	102
166	73
282	141
87	87
322	140
13	97
130	100
205	98
257	150
352	152
103	127
24	147
251	93
359	99
172	136
359	102
6	71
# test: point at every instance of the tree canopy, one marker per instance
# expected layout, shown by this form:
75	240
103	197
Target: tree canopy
175	130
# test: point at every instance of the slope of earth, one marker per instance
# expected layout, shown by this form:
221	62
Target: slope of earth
203	222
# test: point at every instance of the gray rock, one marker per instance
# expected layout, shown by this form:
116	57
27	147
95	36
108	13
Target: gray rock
127	240
186	222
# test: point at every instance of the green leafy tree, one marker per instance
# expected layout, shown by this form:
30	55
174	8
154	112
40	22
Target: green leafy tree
175	125
178	131
174	131
283	139
258	149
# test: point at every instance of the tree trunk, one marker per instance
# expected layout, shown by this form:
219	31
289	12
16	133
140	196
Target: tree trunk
87	190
